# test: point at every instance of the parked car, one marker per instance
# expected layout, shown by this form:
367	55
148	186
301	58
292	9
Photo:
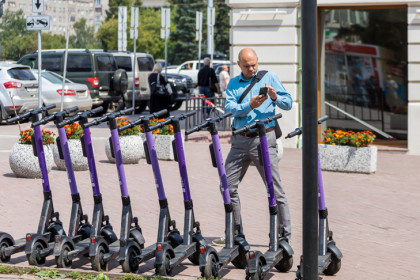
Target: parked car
143	68
190	68
182	86
18	90
74	94
95	68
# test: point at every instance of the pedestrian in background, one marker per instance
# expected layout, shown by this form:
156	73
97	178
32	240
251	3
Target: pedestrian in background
160	91
224	79
207	82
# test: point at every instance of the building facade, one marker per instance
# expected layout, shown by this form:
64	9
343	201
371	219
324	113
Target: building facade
368	62
64	11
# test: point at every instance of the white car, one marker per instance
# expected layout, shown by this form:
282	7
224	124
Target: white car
74	94
18	90
190	68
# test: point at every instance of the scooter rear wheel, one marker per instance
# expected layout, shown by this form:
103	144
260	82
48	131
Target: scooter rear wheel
165	268
98	262
3	245
62	260
33	257
241	261
258	275
285	264
334	266
130	264
211	270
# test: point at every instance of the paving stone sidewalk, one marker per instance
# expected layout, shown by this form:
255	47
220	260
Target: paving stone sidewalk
375	218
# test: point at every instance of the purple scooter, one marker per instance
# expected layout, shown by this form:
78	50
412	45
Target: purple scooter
236	247
131	243
193	241
279	253
40	244
168	238
329	256
68	249
79	228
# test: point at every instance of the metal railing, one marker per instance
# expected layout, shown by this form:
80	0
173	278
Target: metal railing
206	108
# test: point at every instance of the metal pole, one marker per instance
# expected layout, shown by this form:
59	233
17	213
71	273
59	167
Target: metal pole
65	65
310	140
166	49
39	72
210	31
134	71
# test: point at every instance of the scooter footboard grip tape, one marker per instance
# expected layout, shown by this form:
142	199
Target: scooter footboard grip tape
163	203
228	207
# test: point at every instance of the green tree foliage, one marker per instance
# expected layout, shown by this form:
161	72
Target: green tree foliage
84	35
108	34
114	4
149	34
184	46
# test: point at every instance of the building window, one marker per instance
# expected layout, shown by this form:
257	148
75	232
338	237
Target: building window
365	67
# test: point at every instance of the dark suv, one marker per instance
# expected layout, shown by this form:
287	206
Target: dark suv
97	69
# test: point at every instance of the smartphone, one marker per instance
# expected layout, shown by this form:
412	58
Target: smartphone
263	91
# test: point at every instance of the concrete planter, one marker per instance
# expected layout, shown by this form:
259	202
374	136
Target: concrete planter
348	159
163	145
77	159
131	149
23	162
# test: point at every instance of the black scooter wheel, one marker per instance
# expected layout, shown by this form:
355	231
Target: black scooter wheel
3	245
195	258
211	270
258	275
130	264
33	257
62	260
241	261
165	268
98	262
285	264
334	266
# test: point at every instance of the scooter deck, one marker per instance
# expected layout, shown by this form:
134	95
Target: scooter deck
19	246
226	255
114	250
272	258
323	262
147	253
182	252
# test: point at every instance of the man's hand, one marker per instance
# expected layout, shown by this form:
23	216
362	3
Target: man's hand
257	100
271	92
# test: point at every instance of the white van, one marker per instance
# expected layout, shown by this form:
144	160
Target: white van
191	68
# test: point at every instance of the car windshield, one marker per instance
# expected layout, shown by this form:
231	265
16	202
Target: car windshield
24	74
53	78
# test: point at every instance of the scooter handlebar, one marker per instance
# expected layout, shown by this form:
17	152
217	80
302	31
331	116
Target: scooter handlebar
196	128
322	119
32	112
53	116
44	120
297	131
79	115
244	129
161	124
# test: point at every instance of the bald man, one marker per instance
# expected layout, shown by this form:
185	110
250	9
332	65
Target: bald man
244	148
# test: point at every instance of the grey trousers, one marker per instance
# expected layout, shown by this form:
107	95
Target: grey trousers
244	151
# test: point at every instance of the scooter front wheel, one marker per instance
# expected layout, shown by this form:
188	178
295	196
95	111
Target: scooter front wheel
130	264
62	260
165	268
34	257
3	245
98	262
258	275
211	270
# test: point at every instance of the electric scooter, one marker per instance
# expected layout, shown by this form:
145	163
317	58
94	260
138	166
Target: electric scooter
68	249
329	256
40	244
131	241
279	253
168	235
236	247
79	228
193	241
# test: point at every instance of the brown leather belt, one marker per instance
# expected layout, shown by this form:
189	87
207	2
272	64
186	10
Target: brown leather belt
253	134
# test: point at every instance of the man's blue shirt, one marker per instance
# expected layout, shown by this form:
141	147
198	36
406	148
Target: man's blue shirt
242	113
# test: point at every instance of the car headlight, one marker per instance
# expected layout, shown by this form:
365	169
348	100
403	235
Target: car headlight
171	80
184	80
